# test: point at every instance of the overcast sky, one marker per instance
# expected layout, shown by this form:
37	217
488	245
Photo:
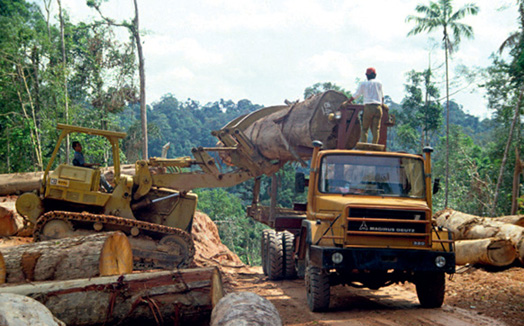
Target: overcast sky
271	50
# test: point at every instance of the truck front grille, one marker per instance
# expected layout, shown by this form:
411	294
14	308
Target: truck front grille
382	225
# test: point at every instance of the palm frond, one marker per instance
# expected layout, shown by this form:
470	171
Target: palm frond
468	9
511	42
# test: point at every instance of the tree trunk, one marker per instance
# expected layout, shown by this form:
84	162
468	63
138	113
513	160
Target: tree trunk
286	133
490	251
245	308
511	219
519	168
100	254
10	221
64	72
18	183
179	297
142	74
466	226
19	310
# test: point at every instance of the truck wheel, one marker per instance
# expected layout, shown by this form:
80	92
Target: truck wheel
275	257
430	289
263	249
317	287
288	240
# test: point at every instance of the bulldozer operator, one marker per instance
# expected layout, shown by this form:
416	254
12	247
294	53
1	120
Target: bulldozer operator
78	160
371	90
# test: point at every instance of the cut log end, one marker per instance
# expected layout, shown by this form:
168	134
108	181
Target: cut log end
2	269
502	252
489	251
116	257
217	290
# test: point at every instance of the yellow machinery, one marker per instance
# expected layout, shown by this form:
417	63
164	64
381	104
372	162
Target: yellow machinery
157	220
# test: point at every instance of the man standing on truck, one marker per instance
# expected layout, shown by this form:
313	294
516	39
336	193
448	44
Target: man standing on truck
371	89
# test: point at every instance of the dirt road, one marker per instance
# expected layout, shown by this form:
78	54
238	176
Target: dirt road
393	305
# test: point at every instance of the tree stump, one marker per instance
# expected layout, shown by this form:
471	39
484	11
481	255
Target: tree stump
490	251
245	308
19	310
99	254
179	297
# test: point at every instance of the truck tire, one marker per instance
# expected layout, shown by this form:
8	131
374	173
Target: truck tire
317	287
275	264
430	289
288	240
263	249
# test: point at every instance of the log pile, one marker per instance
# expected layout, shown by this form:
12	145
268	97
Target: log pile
179	297
99	254
498	235
10	221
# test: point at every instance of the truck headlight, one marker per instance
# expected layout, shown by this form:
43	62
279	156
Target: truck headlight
337	258
440	261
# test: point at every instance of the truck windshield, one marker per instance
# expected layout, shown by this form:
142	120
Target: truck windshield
372	175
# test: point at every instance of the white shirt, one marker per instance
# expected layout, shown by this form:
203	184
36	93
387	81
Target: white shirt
371	90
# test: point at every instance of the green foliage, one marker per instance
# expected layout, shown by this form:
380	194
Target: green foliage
322	87
99	73
471	183
420	115
238	232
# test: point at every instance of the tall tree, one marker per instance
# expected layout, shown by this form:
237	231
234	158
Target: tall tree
440	15
514	43
64	68
134	30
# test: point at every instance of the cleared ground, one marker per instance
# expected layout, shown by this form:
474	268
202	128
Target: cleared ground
473	297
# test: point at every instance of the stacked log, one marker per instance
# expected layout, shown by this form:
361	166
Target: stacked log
99	254
19	310
11	223
17	183
165	297
490	251
245	308
466	226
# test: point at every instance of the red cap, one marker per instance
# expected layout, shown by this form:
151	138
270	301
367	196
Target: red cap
371	71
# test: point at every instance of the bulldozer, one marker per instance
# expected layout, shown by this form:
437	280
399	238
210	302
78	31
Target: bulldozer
70	202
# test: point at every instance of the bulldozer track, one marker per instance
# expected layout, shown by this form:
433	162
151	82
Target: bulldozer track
146	231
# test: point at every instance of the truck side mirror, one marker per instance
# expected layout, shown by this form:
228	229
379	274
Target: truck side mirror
436	185
300	182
